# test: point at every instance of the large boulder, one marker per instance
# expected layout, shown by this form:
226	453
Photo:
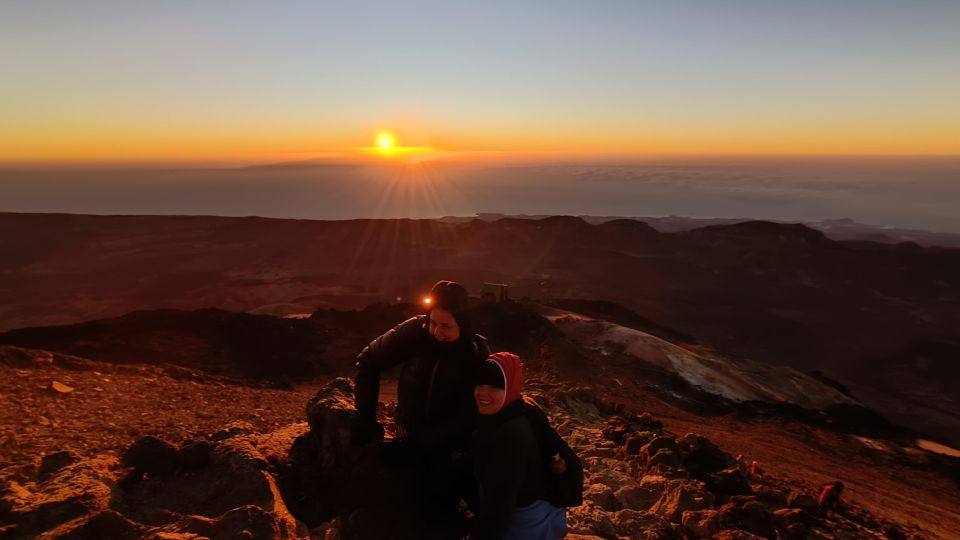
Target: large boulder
634	443
645	422
792	523
659	443
679	496
616	430
803	501
152	456
589	520
75	492
637	497
235	478
601	496
665	457
641	525
700	523
50	464
106	524
730	481
747	514
329	414
248	522
702	457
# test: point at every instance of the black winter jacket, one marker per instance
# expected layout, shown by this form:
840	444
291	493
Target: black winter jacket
435	393
509	467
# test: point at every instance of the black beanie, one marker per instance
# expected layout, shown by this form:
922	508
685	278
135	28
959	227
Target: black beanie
490	374
449	295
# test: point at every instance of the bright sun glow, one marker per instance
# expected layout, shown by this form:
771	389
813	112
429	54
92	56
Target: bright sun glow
386	142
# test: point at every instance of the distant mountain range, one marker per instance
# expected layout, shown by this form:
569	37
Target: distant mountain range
835	229
882	319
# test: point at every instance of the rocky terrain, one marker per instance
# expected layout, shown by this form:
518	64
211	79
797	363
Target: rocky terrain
110	448
305	480
776	293
174	392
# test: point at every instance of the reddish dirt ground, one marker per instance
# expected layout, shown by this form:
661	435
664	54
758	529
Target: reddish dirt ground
111	406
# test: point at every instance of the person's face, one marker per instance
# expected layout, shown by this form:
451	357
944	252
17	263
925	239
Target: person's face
443	327
489	398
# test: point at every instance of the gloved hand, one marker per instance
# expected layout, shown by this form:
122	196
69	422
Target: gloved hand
365	430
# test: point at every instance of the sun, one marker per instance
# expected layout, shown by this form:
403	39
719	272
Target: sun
386	142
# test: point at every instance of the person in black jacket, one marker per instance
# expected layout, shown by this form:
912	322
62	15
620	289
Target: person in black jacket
436	414
439	354
510	463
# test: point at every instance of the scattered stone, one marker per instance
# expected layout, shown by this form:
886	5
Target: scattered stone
60	388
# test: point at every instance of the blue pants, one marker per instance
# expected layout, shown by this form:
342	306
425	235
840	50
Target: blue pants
538	521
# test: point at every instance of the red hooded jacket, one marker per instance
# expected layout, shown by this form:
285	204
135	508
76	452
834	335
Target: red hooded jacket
512	369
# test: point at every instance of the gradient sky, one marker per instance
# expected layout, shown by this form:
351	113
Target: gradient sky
245	81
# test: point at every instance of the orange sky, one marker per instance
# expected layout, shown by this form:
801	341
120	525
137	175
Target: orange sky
109	82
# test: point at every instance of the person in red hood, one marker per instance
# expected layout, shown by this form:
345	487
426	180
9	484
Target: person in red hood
508	461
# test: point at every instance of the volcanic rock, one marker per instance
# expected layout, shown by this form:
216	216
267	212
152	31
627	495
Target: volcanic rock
60	388
662	442
194	455
601	496
329	414
746	513
75	491
702	457
152	456
663	457
637	497
616	430
730	481
792	522
803	501
680	496
645	422
701	523
51	463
